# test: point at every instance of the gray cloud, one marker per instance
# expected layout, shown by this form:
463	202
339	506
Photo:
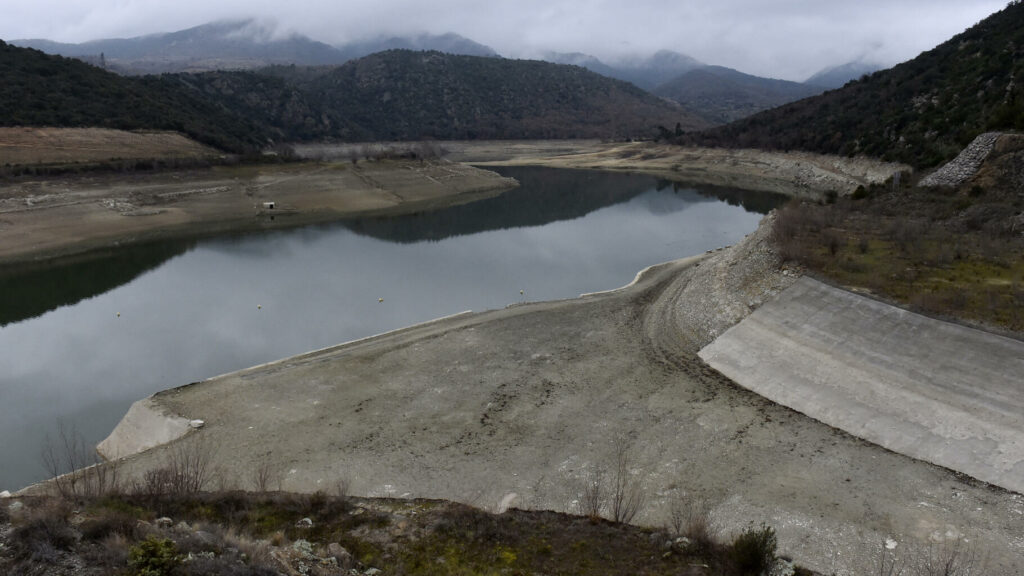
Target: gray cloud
781	38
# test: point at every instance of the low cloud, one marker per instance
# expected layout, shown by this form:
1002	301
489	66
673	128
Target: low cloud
785	38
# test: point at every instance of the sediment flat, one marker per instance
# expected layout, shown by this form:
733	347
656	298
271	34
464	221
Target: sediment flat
799	174
48	217
520	404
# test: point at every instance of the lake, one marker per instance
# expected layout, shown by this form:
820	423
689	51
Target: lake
83	340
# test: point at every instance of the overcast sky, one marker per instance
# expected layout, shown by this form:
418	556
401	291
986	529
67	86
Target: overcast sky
788	39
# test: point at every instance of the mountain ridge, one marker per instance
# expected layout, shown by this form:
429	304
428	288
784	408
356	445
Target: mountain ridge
921	112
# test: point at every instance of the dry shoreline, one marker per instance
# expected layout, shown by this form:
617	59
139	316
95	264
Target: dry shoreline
799	174
518	404
46	218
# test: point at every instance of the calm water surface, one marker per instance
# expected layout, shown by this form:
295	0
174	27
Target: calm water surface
190	310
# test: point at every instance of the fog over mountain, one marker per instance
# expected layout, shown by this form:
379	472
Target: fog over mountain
787	40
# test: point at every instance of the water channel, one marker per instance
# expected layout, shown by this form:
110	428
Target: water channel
80	341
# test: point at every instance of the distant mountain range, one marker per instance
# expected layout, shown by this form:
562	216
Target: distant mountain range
722	95
392	95
237	45
837	76
922	112
715	93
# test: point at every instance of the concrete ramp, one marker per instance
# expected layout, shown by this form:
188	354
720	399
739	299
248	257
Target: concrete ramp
932	390
145	426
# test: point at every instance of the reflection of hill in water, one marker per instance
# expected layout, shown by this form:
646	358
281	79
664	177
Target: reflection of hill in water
548	195
28	293
545	195
751	200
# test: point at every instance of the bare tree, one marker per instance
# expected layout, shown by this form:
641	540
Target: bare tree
628	495
950	558
592	497
691	518
266	474
76	470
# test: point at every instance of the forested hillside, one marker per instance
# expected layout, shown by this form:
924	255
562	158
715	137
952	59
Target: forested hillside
394	95
921	112
43	90
407	95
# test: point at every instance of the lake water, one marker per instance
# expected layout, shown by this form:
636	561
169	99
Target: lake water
80	342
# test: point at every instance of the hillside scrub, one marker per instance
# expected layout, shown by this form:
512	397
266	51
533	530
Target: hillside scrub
949	252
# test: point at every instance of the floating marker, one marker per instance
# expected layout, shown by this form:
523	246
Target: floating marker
379	300
118	314
520	292
259	306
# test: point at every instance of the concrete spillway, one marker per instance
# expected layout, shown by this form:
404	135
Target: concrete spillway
936	391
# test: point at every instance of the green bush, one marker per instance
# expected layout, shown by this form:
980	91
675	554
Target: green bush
153	557
753	552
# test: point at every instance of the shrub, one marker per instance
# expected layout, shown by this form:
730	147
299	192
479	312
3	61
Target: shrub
153	557
753	551
43	534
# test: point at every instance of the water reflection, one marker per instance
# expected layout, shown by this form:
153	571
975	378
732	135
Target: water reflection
233	302
29	292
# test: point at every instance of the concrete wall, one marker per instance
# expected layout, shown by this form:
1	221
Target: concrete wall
932	390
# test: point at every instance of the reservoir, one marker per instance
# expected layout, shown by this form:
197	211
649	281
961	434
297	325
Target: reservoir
80	341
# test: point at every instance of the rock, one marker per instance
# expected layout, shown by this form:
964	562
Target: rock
15	506
304	523
372	572
343	556
5	494
163	522
304	548
197	424
964	166
783	567
205	537
182	526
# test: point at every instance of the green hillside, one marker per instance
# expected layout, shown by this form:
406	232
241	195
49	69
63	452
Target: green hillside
43	90
921	112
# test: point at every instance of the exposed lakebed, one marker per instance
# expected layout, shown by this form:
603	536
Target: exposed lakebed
81	341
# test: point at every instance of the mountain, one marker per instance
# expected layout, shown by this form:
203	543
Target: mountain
44	90
722	95
646	72
229	44
449	43
393	95
921	112
407	95
837	76
237	45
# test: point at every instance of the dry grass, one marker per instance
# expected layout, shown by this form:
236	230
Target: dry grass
24	145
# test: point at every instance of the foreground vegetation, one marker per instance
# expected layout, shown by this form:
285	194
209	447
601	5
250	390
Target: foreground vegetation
264	533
